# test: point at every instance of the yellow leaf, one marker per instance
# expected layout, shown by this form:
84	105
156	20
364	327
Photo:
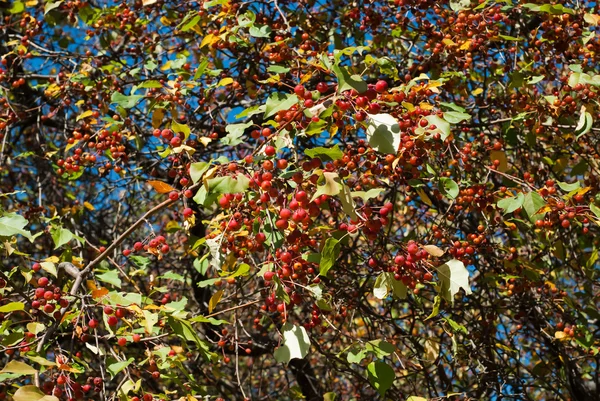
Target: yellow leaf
214	300
209	39
165	21
426	106
448	42
225	81
70	145
466	45
424	197
52	259
204	140
560	335
31	3
306	77
161	187
592	19
18	367
157	117
88	206
408	106
477	91
84	115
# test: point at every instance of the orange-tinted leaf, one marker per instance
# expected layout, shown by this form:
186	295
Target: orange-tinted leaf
161	187
99	293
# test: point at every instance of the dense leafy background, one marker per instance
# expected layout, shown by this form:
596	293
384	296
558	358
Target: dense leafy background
278	200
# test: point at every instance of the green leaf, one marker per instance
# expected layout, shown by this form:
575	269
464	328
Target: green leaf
181	129
110	277
13	224
348	205
371	193
595	209
49	267
18	367
511	204
569	187
510	38
315	127
585	123
532	203
260	32
60	236
449	188
383	133
32	393
127	102
35	328
296	343
213	321
453	276
381	376
228	185
17	7
51	6
197	170
442	126
278	69
12	306
325	154
190	23
347	81
329	255
279	101
235	133
115	368
331	187
454	117
453	106
437	301
456	327
385	283
556	9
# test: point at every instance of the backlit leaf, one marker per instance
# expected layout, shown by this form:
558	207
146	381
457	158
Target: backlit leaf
296	343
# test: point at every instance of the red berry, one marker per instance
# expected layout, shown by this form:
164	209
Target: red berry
381	86
173	195
269	150
93	323
112	320
43	281
108	310
126	252
299	90
36	267
269	275
187	212
122	341
412	248
322	87
138	246
136	338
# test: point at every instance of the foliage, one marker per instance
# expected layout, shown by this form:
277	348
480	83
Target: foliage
299	200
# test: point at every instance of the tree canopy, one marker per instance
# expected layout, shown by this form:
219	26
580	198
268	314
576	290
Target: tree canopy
299	200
